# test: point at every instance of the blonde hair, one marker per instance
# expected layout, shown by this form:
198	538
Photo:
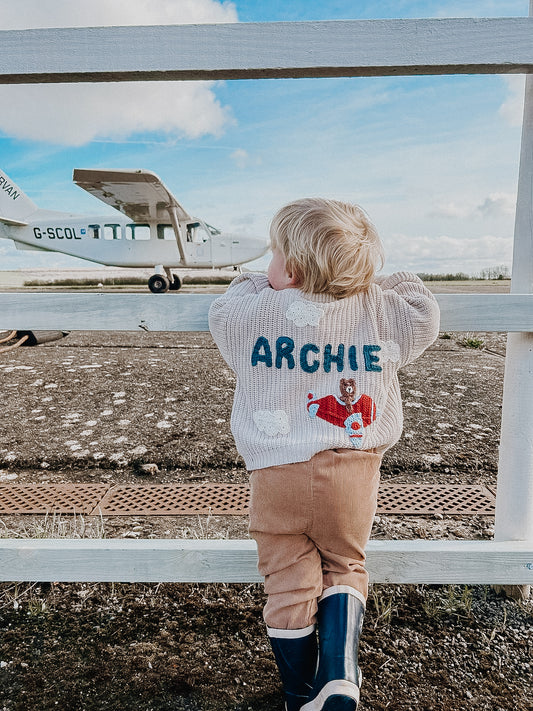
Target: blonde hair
330	246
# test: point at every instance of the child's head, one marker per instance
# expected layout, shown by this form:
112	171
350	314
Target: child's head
329	246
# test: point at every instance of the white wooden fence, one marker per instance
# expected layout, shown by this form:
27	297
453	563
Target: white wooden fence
308	49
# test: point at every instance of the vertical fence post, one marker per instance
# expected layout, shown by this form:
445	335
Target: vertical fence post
514	501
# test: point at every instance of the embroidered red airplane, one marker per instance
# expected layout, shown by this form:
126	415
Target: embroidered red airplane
345	411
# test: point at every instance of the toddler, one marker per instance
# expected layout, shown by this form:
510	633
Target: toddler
316	346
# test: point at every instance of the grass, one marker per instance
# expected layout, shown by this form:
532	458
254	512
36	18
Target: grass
127	281
469	341
384	606
120	281
453	600
56	526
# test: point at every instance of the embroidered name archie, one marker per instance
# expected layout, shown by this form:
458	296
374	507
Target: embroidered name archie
309	356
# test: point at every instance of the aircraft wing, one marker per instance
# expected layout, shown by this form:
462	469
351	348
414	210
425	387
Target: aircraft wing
138	194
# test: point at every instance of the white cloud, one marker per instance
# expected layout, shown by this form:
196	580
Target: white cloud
74	114
243	159
498	205
304	313
240	157
442	254
390	351
26	14
272	422
495	205
512	109
451	210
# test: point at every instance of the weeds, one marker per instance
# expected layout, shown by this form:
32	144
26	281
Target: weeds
218	279
203	531
11	594
56	526
469	341
118	281
456	601
385	606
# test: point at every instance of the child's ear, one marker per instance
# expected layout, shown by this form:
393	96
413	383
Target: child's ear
294	279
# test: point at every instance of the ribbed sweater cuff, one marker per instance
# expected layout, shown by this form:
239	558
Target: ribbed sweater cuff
250	282
394	280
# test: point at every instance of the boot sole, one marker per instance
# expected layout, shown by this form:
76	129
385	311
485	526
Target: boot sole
340	703
337	695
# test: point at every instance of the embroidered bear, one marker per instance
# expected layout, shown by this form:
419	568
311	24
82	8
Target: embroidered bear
348	393
345	411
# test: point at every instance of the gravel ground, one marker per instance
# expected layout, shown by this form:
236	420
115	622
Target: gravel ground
94	647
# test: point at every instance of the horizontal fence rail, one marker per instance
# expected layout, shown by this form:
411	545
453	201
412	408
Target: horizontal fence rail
268	50
235	561
188	312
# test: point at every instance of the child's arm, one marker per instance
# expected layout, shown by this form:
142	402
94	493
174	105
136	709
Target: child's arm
413	313
231	305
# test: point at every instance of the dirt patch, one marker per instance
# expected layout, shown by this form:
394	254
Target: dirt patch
95	647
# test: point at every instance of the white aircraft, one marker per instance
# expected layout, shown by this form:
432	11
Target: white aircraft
154	230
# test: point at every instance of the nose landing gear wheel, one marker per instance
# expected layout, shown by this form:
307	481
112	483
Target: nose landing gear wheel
158	284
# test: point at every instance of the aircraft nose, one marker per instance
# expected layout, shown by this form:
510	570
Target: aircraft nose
258	246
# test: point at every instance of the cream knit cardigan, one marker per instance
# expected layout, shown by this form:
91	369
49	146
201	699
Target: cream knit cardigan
296	355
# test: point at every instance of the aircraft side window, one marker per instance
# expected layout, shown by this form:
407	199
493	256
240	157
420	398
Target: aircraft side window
165	232
193	233
137	231
94	231
112	232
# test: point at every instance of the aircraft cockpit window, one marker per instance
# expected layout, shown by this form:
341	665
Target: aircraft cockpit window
112	232
94	231
137	231
212	230
165	232
198	232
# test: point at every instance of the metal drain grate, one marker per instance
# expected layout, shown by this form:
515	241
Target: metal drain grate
221	499
171	499
50	498
445	499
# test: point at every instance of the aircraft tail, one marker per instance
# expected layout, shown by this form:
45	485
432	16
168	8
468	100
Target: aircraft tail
15	206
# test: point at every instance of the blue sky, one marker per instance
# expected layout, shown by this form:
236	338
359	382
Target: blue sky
434	160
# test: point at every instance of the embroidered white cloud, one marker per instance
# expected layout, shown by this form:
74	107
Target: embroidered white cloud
272	422
304	313
390	351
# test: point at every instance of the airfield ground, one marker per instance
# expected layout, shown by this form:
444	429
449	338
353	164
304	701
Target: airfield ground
94	407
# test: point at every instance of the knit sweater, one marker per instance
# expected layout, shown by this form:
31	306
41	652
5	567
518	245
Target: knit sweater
315	372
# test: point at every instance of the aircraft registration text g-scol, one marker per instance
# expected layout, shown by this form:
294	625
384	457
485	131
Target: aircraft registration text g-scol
56	233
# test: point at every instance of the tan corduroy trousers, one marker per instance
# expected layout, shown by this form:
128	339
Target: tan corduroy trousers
311	521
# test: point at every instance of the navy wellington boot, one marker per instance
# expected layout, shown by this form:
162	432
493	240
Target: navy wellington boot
296	655
338	679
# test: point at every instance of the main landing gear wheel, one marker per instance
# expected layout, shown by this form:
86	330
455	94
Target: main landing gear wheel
175	284
158	284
